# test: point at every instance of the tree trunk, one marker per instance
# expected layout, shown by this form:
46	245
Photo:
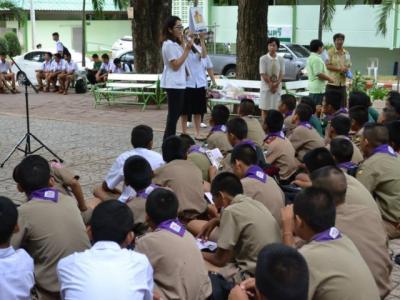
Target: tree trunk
84	34
251	37
149	17
321	16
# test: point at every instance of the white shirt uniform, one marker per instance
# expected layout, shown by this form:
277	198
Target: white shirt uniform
46	66
170	78
59	47
114	69
105	272
4	66
197	67
106	66
16	274
71	66
58	67
116	174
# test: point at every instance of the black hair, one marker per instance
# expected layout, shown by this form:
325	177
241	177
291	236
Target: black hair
389	114
338	36
274	121
32	173
394	134
173	148
244	153
341	124
304	112
67	54
162	205
274	40
169	24
359	114
342	150
318	158
238	127
57	55
315	206
55	33
137	172
376	134
228	183
141	136
282	273
315	45
220	114
333	180
289	100
95	55
310	102
394	100
333	98
116	61
8	219
247	107
111	221
49	54
187	142
105	56
359	98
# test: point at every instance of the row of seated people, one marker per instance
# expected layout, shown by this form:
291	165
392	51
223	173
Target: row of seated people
101	68
7	77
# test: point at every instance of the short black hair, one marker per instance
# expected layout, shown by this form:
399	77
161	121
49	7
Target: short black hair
137	172
105	56
111	221
162	205
282	273
289	100
359	114
273	40
220	114
341	149
333	98
187	142
341	124
8	219
95	55
394	134
318	158
228	183
32	173
238	127
389	114
173	148
333	180
247	107
304	112
141	136
57	55
55	33
315	45
338	36
244	153
359	98
274	121
376	134
49	54
310	102
394	100
67	54
116	61
316	207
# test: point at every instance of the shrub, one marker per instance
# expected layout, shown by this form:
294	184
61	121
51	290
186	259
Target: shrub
14	47
3	46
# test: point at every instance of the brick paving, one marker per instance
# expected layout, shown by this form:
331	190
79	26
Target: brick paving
87	138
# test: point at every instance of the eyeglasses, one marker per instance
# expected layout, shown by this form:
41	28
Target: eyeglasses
179	27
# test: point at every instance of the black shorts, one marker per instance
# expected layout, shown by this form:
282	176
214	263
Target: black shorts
195	101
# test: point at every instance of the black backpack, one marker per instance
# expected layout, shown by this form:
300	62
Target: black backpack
80	86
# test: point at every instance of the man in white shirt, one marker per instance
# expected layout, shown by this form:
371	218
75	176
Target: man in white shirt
44	70
102	73
66	77
59	45
16	266
108	270
118	67
6	75
57	68
142	142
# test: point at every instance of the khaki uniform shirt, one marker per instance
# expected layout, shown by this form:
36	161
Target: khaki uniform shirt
63	177
288	125
357	194
186	180
218	140
49	231
357	155
304	139
337	271
380	174
363	226
202	162
179	269
255	131
246	226
338	60
138	208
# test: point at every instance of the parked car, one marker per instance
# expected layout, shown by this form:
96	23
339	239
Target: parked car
127	58
295	62
121	45
31	61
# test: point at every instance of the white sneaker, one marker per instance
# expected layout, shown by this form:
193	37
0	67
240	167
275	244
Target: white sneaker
203	125
189	124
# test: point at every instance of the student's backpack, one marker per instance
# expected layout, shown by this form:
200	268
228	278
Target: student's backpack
80	86
126	66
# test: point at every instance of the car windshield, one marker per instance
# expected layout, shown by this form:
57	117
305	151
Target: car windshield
126	39
299	51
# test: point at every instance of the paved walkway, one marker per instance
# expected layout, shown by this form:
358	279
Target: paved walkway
88	139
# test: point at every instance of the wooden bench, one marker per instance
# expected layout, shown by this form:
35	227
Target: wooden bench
145	87
294	87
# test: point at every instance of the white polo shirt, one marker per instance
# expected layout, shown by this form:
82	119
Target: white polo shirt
71	66
170	78
59	47
46	66
4	66
116	174
16	274
114	69
106	66
105	272
198	67
58	67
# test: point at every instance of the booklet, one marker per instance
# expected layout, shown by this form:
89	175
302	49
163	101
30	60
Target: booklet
206	245
209	197
215	156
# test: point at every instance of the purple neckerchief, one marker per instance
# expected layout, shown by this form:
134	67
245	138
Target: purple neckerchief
347	165
278	134
45	194
146	192
339	112
218	128
306	125
196	149
386	149
256	172
328	235
287	114
246	142
173	226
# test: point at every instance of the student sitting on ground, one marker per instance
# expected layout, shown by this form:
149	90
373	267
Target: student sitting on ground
304	137
256	184
102	73
51	226
107	270
279	151
184	178
359	117
118	67
337	270
179	270
142	142
361	98
286	107
315	121
91	73
393	101
332	108
394	135
57	68
245	227
387	115
17	279
217	137
68	76
6	75
255	131
281	274
42	73
342	151
380	174
361	224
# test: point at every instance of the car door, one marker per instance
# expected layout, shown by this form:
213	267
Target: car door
32	61
290	69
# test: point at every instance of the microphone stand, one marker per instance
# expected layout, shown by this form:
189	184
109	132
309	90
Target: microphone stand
27	150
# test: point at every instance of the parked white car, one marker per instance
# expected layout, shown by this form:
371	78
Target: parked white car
31	61
121	45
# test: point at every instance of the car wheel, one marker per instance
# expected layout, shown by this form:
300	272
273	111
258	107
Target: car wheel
230	73
21	78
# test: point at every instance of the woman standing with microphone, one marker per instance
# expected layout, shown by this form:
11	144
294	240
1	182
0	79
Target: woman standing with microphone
173	78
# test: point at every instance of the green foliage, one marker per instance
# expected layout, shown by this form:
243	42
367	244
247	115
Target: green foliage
377	93
359	83
11	12
3	46
14	47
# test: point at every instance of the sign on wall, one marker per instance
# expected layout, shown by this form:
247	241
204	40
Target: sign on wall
282	32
